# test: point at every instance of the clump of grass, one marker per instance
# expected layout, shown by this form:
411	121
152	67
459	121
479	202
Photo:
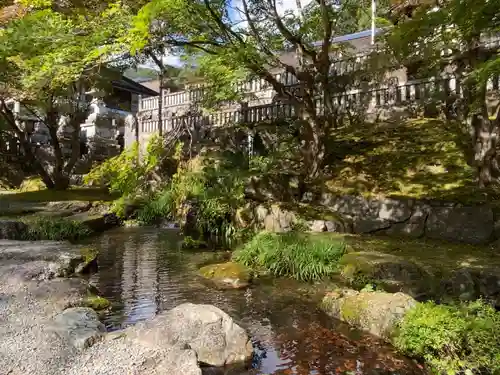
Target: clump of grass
302	256
455	339
160	207
56	230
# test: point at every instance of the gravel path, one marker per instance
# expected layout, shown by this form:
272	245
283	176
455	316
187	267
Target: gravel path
29	300
44	332
27	345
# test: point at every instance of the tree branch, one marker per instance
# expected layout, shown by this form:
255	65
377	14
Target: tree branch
292	38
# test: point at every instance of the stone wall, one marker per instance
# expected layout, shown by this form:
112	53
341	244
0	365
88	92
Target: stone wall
473	224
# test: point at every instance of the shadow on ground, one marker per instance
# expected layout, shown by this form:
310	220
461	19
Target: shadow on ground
417	158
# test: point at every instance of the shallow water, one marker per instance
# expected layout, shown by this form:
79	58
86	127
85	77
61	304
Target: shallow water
143	271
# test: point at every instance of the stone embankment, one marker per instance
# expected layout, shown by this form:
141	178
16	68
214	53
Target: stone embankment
47	328
404	217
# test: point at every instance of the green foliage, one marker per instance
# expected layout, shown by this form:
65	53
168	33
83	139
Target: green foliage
212	186
32	184
129	173
189	242
121	174
119	206
304	257
231	58
56	230
49	57
350	16
423	39
453	339
161	206
141	73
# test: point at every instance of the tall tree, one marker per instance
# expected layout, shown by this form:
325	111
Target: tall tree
452	38
49	56
247	39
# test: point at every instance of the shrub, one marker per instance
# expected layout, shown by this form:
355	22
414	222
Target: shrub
32	184
56	230
159	207
120	174
128	173
302	256
213	186
453	339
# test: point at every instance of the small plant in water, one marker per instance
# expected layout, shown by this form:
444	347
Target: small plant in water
306	257
190	243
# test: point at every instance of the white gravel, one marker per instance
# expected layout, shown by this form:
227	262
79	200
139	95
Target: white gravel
30	301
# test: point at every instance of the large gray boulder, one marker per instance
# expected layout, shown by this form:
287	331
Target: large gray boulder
279	220
382	210
79	326
378	313
53	258
207	330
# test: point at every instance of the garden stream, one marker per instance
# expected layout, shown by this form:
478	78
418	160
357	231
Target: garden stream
143	271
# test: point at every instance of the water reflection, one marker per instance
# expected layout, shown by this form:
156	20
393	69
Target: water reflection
143	271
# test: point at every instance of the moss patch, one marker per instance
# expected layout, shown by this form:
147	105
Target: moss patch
376	312
89	255
432	255
425	269
416	158
351	310
96	302
228	274
225	270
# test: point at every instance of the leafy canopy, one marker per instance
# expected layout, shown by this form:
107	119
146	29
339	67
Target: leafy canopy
47	49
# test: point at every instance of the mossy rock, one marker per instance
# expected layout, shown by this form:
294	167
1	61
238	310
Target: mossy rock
89	260
378	313
390	272
227	275
96	302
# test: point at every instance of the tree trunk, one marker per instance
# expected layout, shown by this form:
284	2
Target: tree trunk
49	184
61	182
485	140
314	147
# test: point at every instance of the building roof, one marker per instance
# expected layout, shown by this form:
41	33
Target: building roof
127	84
359	42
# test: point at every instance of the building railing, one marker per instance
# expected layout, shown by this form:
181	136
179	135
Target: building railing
369	101
339	67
